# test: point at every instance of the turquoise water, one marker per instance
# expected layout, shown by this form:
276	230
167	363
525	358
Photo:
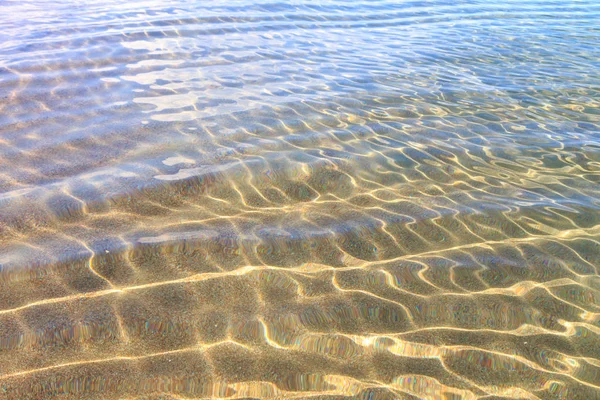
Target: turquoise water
336	199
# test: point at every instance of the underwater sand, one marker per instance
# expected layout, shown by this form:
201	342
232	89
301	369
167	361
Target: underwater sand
324	200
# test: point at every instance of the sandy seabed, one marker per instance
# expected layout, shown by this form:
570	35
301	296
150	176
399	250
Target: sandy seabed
366	200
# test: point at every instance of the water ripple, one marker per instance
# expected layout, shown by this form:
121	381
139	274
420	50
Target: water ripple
263	199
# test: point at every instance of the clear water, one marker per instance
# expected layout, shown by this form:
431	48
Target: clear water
335	199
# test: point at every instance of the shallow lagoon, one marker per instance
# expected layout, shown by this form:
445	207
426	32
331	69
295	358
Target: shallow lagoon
259	199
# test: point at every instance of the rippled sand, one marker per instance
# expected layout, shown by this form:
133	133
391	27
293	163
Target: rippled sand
371	200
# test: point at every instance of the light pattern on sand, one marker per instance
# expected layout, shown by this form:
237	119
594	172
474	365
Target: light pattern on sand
337	199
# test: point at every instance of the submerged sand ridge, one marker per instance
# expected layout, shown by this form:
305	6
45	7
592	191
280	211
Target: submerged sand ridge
382	200
299	299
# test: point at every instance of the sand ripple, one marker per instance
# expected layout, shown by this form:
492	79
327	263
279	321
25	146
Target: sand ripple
371	200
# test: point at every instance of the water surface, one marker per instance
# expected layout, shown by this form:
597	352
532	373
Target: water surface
335	199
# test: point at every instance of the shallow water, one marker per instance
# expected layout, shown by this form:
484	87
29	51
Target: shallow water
260	199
